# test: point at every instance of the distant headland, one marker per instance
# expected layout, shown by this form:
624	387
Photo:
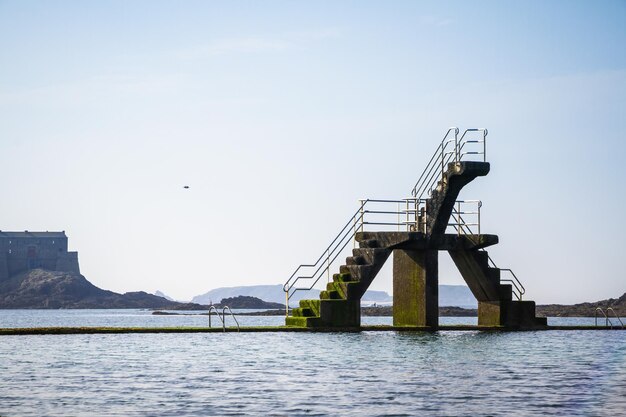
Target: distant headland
37	271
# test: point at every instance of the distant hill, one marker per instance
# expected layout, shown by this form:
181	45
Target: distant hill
584	309
40	288
271	293
449	295
549	310
160	294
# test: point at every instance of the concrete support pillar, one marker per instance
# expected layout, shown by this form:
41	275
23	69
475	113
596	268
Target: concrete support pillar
415	288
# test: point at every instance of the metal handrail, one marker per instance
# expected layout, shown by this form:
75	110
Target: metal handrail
288	285
462	142
516	283
442	157
608	321
211	308
462	227
224	317
407	217
439	158
616	316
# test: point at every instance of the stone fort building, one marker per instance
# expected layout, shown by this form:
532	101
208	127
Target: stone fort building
22	251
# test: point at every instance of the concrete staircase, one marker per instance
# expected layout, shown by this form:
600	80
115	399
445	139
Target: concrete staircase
496	306
416	266
340	304
441	202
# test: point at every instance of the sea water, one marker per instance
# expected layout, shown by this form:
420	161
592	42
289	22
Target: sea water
560	373
145	318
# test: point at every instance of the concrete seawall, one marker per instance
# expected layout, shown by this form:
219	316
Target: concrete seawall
272	329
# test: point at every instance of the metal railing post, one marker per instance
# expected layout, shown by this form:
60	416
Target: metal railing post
442	160
485	145
328	265
458	220
457	157
355	229
362	213
398	208
479	206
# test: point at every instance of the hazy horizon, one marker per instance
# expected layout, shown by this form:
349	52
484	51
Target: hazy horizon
279	116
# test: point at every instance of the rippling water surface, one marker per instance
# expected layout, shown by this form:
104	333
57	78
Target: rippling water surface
563	373
145	318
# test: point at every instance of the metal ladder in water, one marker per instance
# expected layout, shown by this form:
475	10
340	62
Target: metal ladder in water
223	317
608	322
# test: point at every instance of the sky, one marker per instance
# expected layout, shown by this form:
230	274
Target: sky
280	115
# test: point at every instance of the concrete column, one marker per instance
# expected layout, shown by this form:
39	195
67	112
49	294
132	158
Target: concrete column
416	288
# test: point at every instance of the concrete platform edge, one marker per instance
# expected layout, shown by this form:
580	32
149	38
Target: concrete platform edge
277	329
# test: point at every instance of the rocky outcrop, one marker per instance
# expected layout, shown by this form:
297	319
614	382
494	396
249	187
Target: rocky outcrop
39	288
583	309
243	301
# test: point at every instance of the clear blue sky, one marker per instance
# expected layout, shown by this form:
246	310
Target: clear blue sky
280	115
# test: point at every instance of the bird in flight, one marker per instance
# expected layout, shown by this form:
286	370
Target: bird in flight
186	187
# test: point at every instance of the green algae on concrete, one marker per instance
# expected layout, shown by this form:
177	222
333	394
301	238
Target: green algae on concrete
415	288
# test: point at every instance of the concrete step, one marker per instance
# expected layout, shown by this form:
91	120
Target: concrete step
512	314
355	260
494	275
303	321
330	295
343	278
358	272
521	314
348	290
302	312
506	292
482	257
341	312
371	255
313	305
333	313
369	243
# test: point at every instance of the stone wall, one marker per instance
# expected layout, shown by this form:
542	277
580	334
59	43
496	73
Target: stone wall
68	262
22	251
4	269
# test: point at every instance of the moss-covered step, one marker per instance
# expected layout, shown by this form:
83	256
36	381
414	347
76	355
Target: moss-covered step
302	312
303	321
348	290
343	278
330	295
313	305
